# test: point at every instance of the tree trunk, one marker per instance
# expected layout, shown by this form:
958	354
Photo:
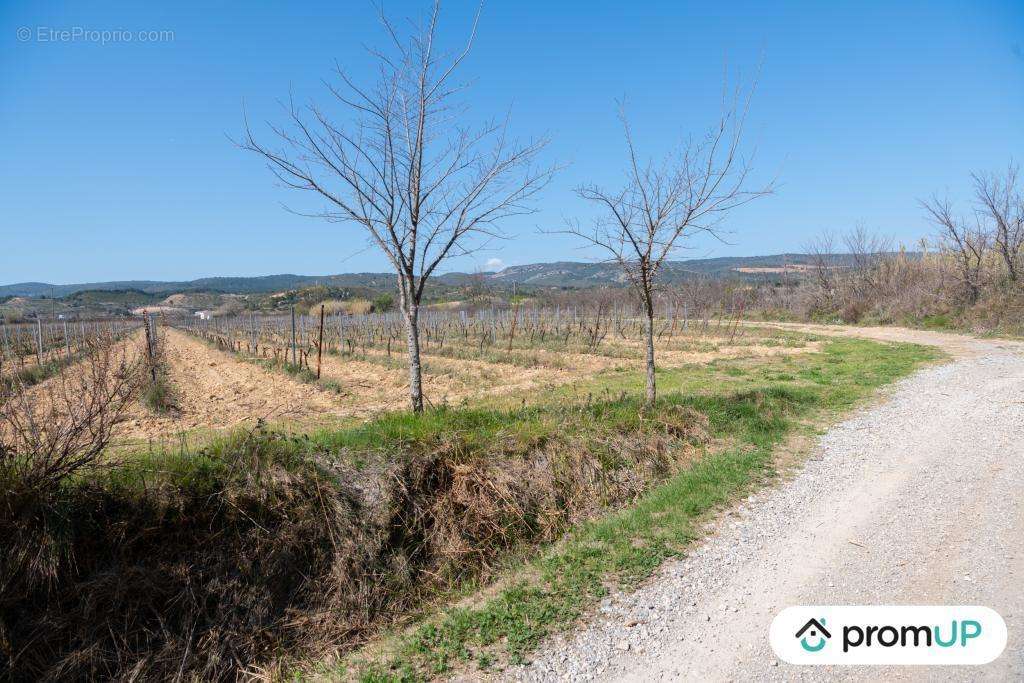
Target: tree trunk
412	329
1011	266
649	334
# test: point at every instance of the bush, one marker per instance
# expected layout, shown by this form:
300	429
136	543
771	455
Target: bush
208	564
383	303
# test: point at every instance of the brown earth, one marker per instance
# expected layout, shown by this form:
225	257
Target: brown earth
212	390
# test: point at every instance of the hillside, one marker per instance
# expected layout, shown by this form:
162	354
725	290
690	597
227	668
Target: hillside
558	274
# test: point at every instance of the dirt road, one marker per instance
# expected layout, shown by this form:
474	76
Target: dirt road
916	500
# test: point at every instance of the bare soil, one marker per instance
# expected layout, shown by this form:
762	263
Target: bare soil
213	390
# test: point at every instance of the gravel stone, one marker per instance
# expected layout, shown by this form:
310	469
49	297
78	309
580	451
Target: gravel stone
916	500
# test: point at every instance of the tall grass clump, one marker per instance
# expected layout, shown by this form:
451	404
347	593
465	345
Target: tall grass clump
259	546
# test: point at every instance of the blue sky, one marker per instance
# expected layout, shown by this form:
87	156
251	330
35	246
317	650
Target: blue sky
116	161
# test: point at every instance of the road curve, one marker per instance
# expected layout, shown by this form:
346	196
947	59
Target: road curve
915	500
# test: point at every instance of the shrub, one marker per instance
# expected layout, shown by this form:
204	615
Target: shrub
383	303
208	564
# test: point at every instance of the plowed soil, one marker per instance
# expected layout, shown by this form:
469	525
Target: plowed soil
213	390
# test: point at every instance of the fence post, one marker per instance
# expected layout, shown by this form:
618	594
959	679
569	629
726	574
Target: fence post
149	347
39	339
295	360
320	343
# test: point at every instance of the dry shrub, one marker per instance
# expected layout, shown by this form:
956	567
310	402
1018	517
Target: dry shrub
49	433
357	306
241	563
334	306
167	583
346	306
1000	310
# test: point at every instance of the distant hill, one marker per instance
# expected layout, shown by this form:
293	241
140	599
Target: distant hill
558	274
575	274
227	285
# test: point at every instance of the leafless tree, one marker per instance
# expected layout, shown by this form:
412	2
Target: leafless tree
401	166
967	244
866	251
821	250
1002	200
661	205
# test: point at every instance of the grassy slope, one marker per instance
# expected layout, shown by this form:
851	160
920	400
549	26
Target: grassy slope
753	406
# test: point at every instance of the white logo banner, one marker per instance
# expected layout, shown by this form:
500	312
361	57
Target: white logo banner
888	635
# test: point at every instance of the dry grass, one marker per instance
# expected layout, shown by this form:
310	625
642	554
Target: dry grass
200	565
207	391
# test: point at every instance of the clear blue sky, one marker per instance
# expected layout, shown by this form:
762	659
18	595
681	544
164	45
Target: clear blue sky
116	164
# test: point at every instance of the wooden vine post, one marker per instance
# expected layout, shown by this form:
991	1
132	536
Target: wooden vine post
320	343
39	340
512	331
149	347
295	359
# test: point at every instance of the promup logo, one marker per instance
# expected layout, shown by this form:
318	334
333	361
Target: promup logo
888	635
817	630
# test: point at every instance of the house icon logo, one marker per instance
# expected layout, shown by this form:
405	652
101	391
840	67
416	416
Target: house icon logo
817	633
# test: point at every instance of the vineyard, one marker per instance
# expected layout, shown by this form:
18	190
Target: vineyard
32	352
302	372
487	335
355	366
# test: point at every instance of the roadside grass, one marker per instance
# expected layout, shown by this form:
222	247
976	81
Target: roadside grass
752	406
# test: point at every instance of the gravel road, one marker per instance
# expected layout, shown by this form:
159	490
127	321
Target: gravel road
915	500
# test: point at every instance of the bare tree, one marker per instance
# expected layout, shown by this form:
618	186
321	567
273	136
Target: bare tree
966	243
1003	201
866	251
821	251
662	205
403	168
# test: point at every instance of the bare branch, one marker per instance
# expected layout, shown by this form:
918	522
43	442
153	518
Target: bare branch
397	162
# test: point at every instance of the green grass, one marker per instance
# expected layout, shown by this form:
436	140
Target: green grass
158	395
938	321
34	374
752	405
